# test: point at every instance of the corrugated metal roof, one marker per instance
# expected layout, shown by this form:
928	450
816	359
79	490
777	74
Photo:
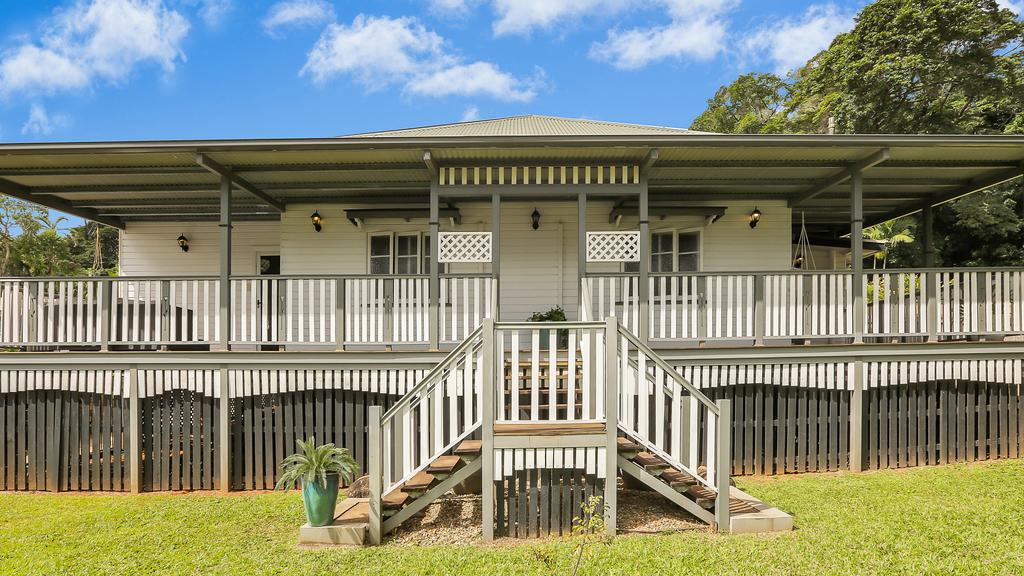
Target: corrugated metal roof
529	125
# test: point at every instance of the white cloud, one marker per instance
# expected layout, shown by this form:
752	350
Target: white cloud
525	16
791	42
40	123
476	79
296	13
1017	7
213	12
638	47
470	114
452	7
100	39
381	51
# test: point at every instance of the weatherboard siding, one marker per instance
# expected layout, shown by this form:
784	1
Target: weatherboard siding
151	248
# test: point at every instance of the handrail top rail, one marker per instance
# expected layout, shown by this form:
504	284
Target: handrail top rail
668	369
548	325
704	273
482	275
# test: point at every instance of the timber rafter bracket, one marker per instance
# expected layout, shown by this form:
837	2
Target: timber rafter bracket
841	176
215	167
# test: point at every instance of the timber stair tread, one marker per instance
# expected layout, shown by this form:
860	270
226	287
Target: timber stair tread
444	465
563	428
357	514
650	462
395	499
627	446
419	483
468	448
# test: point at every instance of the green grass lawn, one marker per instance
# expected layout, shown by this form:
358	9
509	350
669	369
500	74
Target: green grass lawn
956	519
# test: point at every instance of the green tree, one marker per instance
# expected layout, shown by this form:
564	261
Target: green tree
892	233
923	67
752	104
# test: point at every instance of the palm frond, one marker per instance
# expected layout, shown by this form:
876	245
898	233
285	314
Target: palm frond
314	464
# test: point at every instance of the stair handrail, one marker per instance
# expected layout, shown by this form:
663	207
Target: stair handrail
472	340
669	369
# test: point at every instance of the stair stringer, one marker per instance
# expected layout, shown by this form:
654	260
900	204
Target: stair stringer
665	490
396	520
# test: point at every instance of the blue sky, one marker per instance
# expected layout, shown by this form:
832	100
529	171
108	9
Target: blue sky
165	69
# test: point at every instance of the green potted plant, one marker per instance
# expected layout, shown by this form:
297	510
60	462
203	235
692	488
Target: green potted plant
555	314
320	470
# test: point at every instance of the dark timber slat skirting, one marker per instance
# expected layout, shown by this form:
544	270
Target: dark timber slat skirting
62	440
541	502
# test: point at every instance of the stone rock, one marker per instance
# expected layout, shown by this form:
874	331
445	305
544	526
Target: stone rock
702	471
360	488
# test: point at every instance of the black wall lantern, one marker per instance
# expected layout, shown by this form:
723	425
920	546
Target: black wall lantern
755	217
317	221
183	243
535	218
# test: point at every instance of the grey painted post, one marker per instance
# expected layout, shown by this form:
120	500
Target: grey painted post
166	314
930	280
134	430
224	430
857	418
106	296
496	251
857	252
723	463
645	262
374	471
225	263
759	312
487	431
581	248
435	278
611	404
339	314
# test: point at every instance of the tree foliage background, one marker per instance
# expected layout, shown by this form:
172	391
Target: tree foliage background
907	67
34	242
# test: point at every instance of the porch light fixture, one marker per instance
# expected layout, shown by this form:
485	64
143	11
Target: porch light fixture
317	221
755	217
535	218
183	243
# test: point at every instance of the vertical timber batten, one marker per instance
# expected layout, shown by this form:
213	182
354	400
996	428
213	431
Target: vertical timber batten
225	262
857	252
224	430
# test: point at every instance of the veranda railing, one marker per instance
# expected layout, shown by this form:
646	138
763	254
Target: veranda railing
321	311
796	305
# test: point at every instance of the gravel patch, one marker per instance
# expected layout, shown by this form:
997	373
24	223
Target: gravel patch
456	520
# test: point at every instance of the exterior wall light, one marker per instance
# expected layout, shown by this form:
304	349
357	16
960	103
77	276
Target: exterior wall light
755	217
183	243
317	220
535	218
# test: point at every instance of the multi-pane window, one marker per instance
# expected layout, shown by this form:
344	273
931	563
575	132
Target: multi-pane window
672	251
400	253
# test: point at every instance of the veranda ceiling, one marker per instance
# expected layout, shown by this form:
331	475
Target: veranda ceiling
117	182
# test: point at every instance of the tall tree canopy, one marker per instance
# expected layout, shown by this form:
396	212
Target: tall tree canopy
907	66
35	243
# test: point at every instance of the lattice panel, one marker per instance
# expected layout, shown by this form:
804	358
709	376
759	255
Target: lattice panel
464	247
613	246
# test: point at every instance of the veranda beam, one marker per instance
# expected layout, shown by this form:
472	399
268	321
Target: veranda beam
841	176
976	185
15	190
225	172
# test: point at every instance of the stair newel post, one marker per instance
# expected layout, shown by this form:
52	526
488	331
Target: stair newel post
373	465
488	383
723	463
611	411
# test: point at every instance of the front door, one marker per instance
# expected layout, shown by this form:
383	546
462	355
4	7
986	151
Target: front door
269	265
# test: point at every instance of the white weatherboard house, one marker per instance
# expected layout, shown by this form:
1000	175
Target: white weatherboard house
718	317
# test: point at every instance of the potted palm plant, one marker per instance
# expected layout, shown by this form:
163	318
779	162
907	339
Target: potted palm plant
320	470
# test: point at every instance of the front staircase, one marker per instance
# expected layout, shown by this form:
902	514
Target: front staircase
523	420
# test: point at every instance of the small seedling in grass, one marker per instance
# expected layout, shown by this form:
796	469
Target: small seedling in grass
589	527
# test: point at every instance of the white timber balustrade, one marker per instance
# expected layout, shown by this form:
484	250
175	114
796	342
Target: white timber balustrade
435	415
552	371
51	311
465	302
664	412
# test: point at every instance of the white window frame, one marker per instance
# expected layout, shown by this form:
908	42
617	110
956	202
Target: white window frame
422	256
675	248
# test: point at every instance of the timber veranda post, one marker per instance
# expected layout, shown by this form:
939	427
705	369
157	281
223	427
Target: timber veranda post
374	471
611	411
723	463
489	380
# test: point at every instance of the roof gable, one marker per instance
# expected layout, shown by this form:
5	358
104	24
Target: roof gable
529	125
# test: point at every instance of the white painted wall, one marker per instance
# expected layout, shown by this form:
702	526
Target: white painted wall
538	268
151	248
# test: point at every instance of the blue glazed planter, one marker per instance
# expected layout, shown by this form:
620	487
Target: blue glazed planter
320	501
